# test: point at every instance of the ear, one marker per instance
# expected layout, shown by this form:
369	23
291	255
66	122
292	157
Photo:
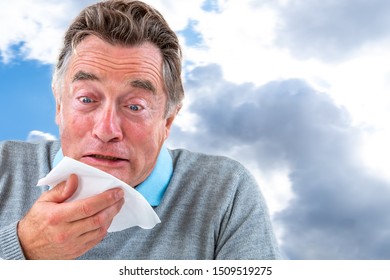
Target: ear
168	124
169	120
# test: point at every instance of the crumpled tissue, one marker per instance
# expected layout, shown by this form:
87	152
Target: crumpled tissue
136	211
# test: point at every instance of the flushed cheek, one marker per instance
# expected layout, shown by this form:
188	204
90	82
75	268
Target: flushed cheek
74	130
78	125
152	135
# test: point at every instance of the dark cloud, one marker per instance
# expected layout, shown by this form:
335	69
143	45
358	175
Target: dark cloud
339	210
332	29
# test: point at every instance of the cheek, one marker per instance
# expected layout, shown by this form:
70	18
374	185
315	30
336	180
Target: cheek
147	135
72	125
60	121
160	132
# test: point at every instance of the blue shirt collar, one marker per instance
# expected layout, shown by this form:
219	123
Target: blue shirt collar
154	186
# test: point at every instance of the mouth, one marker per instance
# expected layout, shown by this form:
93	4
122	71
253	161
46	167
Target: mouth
104	158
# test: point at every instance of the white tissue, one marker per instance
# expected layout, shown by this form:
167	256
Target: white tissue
136	211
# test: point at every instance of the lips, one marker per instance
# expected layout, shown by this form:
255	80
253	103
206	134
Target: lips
103	157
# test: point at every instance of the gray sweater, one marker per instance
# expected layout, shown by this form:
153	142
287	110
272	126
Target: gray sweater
212	209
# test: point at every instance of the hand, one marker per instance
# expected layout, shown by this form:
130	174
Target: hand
55	229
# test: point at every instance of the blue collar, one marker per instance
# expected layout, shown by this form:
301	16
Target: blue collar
154	186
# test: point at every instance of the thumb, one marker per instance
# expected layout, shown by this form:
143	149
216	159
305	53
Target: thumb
62	191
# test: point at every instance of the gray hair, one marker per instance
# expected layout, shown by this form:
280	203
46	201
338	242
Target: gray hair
126	23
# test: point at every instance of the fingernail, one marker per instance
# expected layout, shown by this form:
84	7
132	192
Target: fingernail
119	194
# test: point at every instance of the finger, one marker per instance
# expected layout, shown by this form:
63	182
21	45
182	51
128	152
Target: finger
90	239
62	191
101	220
96	230
88	207
77	237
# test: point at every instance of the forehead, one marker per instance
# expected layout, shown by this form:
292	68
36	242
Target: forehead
105	60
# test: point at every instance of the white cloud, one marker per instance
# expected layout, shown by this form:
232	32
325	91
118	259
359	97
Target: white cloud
37	136
242	40
178	13
239	38
375	153
35	27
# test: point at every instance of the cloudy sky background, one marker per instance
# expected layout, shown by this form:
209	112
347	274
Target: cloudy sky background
297	90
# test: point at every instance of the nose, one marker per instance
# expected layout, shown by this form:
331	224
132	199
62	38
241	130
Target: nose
107	125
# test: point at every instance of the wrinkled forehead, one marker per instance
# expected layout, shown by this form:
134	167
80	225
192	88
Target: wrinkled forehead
96	58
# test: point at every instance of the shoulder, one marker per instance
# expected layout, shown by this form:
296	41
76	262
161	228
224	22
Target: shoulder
16	155
213	170
22	148
225	192
185	159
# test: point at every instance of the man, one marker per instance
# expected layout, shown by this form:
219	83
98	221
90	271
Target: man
118	88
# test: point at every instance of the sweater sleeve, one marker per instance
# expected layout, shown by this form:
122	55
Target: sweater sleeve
246	230
10	248
21	165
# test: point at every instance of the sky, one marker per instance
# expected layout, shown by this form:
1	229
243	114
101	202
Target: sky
296	90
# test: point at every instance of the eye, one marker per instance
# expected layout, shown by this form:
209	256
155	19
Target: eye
86	100
135	108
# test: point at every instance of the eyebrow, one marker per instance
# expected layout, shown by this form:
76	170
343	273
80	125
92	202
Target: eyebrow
137	83
143	84
84	76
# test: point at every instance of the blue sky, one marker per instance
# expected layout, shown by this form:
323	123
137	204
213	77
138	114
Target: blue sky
28	103
295	90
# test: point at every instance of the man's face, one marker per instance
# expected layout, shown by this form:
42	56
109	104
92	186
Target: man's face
111	113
